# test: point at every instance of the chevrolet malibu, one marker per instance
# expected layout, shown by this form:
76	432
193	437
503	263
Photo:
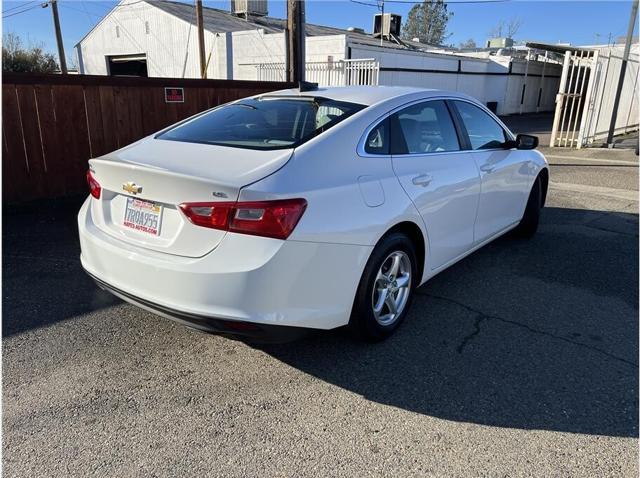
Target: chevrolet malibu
312	208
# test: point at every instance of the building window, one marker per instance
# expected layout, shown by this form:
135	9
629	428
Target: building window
146	27
117	31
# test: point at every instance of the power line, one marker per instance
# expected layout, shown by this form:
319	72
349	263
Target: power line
96	15
120	5
450	2
18	6
25	10
84	7
364	3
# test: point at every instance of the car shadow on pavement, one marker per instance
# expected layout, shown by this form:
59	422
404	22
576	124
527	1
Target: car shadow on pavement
539	334
43	281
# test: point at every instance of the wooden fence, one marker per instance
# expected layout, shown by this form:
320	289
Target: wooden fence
52	124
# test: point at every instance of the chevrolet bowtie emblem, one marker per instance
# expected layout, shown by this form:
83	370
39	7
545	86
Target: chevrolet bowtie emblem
132	188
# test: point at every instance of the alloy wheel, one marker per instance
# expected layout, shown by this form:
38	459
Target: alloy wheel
392	288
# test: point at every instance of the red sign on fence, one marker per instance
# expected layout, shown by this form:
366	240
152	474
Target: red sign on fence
174	95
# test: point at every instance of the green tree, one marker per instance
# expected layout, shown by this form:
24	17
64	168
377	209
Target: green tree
470	43
427	21
18	59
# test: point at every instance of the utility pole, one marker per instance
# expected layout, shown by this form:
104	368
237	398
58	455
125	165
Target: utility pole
295	40
623	69
56	25
201	55
381	7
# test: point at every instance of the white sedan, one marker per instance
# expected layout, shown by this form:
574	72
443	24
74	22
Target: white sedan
306	209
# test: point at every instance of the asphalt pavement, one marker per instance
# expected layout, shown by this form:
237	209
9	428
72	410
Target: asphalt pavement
521	360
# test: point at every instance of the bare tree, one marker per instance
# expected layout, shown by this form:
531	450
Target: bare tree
470	43
72	60
506	28
496	31
513	27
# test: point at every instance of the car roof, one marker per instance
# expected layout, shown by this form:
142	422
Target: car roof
365	95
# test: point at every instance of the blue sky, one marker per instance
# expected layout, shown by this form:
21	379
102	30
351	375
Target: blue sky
577	22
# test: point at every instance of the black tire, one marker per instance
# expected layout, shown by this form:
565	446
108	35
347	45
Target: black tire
364	324
529	222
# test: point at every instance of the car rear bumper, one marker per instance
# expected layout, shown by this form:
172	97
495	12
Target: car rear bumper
261	281
244	330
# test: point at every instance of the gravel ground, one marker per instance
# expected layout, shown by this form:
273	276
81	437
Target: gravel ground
521	360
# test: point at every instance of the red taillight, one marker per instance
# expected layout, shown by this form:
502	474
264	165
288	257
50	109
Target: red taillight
94	185
207	214
275	219
267	218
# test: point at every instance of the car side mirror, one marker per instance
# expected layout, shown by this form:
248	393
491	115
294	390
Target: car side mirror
526	141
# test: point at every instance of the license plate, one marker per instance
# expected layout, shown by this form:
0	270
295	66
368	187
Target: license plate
143	216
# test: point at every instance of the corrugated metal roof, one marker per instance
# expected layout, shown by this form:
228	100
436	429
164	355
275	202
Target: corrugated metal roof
216	21
557	48
222	21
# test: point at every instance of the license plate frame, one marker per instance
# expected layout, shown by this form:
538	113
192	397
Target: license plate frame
143	216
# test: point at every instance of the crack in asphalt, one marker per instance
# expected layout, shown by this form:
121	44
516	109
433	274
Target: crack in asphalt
589	224
476	330
604	229
480	317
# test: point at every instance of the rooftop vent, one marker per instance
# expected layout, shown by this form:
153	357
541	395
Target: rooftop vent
355	30
243	8
386	25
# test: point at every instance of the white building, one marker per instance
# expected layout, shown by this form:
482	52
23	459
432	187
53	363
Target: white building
159	39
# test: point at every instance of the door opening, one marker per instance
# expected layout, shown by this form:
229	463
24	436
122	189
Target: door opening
128	65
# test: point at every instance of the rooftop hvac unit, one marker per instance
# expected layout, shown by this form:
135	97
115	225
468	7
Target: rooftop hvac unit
257	8
499	43
386	25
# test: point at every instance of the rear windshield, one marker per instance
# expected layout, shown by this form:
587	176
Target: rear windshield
263	123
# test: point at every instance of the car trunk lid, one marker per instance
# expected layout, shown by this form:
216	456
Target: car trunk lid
143	185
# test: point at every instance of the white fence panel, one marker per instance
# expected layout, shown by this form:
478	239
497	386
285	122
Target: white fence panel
584	105
605	76
329	73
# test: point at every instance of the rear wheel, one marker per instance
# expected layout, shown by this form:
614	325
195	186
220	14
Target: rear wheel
386	288
529	223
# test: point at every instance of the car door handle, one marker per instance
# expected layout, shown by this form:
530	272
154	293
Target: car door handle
422	180
487	168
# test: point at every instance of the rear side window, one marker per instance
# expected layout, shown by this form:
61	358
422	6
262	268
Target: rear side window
424	128
378	139
263	123
484	132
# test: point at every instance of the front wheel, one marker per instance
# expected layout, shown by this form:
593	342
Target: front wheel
386	288
529	223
